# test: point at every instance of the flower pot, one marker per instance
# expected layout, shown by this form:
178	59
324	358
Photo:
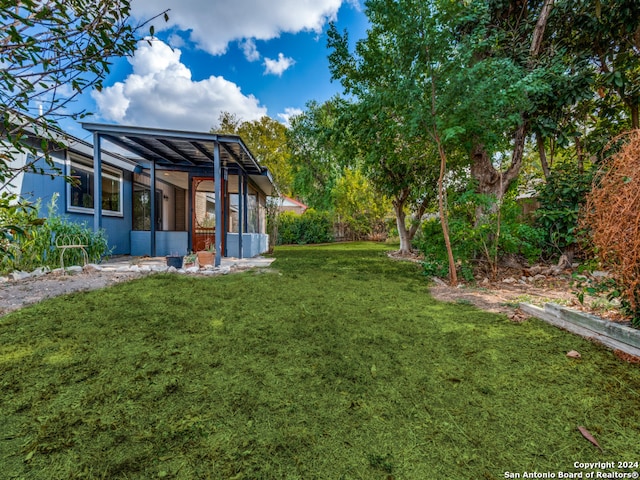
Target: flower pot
205	258
174	261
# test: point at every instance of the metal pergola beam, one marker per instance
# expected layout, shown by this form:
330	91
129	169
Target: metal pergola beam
176	150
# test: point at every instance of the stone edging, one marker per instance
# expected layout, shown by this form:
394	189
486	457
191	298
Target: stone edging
91	268
611	334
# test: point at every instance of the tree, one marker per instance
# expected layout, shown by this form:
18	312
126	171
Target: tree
316	153
358	207
267	140
394	154
51	51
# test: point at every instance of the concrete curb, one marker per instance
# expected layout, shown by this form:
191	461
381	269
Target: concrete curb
611	334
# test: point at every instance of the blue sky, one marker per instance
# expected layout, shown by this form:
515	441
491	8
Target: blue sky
247	57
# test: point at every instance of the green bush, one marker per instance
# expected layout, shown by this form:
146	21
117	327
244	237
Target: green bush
310	227
37	246
473	241
561	199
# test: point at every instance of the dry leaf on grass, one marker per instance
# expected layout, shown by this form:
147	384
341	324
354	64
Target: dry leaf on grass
573	354
585	433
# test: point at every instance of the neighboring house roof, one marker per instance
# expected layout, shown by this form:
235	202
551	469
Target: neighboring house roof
288	201
291	202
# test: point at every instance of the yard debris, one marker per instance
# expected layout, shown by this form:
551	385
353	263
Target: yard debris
585	433
573	354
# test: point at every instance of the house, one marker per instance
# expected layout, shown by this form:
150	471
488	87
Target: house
288	204
203	184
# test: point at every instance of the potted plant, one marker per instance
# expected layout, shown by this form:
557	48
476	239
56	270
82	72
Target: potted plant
174	260
206	257
189	260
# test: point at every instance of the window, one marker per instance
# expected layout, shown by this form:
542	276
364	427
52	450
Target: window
253	213
80	198
142	208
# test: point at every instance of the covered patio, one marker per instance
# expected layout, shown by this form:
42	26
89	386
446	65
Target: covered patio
190	191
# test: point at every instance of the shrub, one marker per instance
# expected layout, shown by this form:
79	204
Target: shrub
479	240
37	246
310	227
612	217
561	199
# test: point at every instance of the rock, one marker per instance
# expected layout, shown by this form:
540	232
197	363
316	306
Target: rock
573	354
599	274
145	269
539	277
161	268
4	279
509	280
534	270
74	269
563	262
40	271
92	268
134	269
485	281
19	275
192	270
171	270
556	270
435	279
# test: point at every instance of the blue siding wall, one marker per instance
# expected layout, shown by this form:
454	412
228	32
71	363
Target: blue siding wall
117	229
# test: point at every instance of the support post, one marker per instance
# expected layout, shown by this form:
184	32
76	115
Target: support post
240	212
152	207
97	182
245	189
217	182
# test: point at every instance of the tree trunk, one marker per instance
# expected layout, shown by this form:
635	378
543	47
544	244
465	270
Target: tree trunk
541	25
398	208
490	180
543	156
444	221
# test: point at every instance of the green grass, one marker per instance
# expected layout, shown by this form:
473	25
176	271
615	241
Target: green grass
335	365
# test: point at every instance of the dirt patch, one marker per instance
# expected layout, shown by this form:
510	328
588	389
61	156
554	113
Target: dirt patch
509	290
503	298
17	294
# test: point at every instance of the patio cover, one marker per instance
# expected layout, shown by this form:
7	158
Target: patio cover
177	149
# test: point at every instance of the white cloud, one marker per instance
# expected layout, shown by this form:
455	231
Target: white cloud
176	41
288	114
212	25
160	93
250	50
279	66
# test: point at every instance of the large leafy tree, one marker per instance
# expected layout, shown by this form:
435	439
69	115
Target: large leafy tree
317	154
394	151
51	51
267	140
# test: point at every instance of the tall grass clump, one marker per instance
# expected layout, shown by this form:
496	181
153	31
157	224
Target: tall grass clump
36	245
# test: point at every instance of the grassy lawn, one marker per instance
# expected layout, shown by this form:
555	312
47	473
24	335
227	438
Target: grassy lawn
335	365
